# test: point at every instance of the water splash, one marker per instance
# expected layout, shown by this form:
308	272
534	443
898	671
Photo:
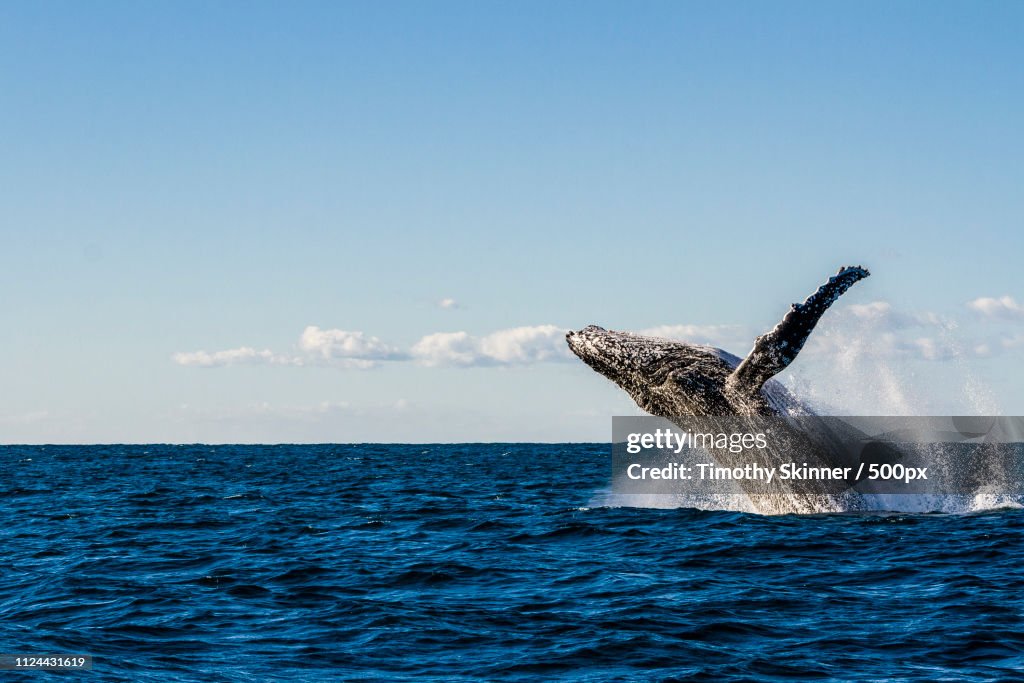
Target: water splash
855	368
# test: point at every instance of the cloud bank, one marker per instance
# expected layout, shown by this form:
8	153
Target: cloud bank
1002	308
351	349
875	328
243	355
515	346
341	348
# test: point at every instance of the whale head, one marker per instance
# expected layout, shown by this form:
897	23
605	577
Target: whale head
663	376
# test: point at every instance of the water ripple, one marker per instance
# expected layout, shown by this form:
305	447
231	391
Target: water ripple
477	562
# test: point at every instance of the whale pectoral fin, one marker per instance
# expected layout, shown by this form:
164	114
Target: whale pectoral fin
774	351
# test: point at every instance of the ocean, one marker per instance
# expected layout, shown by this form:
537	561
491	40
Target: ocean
476	562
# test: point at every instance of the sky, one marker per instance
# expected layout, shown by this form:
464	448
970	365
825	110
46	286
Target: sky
358	221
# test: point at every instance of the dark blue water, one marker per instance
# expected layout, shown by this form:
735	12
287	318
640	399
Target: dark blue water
475	562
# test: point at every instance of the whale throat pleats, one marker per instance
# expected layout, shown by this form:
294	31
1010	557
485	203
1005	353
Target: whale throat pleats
774	351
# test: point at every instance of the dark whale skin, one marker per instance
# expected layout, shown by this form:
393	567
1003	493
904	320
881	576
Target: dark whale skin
680	382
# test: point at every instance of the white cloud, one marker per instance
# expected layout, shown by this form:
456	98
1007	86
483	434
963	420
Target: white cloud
878	330
448	303
877	321
871	311
996	344
514	346
843	343
722	336
883	315
520	345
929	348
328	347
353	349
1012	341
885	331
1005	307
243	355
875	329
447	348
341	348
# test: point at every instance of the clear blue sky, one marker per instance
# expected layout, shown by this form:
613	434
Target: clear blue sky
183	177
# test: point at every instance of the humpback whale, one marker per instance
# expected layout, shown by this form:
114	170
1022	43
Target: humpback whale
673	379
670	378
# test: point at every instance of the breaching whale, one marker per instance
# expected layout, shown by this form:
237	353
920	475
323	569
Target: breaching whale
673	379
